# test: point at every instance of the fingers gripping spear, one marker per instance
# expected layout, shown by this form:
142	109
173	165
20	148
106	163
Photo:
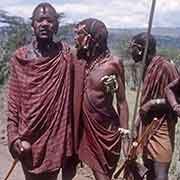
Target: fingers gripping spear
138	92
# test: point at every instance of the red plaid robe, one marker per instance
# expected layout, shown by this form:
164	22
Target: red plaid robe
40	107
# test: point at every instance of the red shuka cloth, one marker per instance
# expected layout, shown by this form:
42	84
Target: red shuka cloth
101	142
40	107
158	75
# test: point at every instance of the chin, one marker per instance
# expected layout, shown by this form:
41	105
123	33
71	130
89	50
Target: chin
81	54
137	59
43	37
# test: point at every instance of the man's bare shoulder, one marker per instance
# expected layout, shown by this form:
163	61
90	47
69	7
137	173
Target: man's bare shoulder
115	62
114	65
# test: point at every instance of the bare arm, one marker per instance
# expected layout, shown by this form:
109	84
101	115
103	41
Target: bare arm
172	93
122	105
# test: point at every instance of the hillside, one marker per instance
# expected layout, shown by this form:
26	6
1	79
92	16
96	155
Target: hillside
166	37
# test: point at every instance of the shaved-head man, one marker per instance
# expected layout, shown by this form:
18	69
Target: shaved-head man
40	102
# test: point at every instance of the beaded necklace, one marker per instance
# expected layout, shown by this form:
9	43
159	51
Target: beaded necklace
99	60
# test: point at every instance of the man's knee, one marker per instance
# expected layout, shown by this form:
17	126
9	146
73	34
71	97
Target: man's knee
161	170
156	170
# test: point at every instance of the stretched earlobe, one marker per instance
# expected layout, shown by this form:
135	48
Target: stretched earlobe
140	53
87	41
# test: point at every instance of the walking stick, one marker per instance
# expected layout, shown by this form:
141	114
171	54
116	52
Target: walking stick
141	76
143	62
11	169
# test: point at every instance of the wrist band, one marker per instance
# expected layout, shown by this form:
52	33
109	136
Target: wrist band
158	101
124	132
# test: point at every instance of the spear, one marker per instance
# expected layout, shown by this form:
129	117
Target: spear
143	63
141	75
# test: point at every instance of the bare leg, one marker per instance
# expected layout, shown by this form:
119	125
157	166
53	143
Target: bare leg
161	170
156	170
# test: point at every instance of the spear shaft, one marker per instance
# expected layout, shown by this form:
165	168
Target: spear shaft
143	64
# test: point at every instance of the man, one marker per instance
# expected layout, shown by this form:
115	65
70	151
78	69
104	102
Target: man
104	107
158	73
40	102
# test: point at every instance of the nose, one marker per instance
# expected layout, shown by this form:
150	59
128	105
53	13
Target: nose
75	37
44	22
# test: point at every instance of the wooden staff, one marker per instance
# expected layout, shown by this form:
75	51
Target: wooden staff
140	80
143	63
11	169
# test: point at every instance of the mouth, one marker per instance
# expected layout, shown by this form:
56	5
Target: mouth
44	31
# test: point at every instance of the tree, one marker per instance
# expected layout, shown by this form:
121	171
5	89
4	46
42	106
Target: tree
16	32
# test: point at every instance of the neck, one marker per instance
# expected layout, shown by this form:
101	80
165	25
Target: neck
44	48
43	44
94	53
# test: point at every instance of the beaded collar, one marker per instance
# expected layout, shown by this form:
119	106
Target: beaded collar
97	61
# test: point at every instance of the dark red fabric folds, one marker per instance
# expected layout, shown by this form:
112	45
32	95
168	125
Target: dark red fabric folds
159	74
40	108
101	142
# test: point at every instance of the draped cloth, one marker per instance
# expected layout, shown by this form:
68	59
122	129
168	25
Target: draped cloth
100	144
158	75
40	107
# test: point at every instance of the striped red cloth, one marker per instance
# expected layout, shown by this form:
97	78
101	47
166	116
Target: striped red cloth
160	72
40	107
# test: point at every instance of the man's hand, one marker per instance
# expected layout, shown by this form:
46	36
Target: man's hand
125	137
146	108
20	148
176	109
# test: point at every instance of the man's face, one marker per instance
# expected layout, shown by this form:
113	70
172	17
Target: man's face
80	37
44	23
136	51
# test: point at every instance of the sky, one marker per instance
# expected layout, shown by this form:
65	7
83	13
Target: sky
114	13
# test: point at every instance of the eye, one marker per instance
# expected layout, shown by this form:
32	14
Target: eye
50	20
81	33
38	20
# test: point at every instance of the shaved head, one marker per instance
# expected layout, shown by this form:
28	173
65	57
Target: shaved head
96	28
44	9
